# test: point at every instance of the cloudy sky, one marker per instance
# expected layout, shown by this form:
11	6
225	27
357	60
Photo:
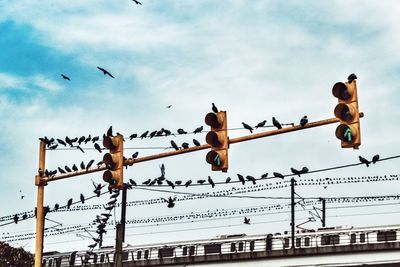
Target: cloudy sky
254	59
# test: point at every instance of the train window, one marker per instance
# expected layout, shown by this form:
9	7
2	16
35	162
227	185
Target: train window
307	242
233	247
298	242
139	255
329	240
102	258
240	246
184	251
125	256
72	259
252	243
165	252
146	254
44	262
362	238
269	243
94	258
386	235
353	238
191	250
212	248
58	262
285	242
50	262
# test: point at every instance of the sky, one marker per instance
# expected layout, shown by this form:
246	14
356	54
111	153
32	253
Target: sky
253	59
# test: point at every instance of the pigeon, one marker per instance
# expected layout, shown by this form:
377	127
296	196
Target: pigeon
68	140
174	145
171	184
153	133
228	180
90	163
52	147
364	160
170	201
351	77
82	198
246	220
214	108
132	136
178	182
181	131
198	130
278	175
61	142
276	123
304	121
105	72
166	132
375	158
248	127
97	147
196	143
109	131
188	183
81	139
201	181
264	176
132	182
241	178
137	2
95	139
69	203
185	145
56	206
78	147
261	124
135	155
16	218
304	170
211	182
67	168
74	168
147	182
61	170
82	165
144	135
251	178
162	169
87	139
65	77
296	172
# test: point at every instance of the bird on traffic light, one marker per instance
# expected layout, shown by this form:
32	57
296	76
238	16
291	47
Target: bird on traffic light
304	121
214	108
276	123
69	203
211	182
246	220
198	130
144	135
181	131
65	77
97	147
185	145
170	201
241	178
251	178
105	72
109	131
248	127
375	158
188	183
351	77
261	124
364	160
278	175
174	145
196	143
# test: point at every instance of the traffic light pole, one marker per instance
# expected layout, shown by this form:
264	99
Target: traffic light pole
292	206
323	212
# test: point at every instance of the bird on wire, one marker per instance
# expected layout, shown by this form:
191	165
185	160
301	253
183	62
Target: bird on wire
174	145
211	182
69	203
375	158
261	124
97	147
105	72
196	143
251	178
278	175
364	160
304	121
198	130
241	179
248	127
181	131
276	123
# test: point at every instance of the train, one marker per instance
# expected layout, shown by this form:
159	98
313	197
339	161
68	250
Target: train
229	244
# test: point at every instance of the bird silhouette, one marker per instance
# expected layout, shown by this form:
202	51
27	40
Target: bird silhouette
81	139
261	124
137	2
132	182
171	184
375	158
241	178
69	203
296	172
170	201
178	182
67	168
278	175
181	131
82	165
97	147
60	141
211	182
90	163
144	135
88	139
16	218
364	160
304	121
248	127
74	168
147	182
196	143
78	147
214	108
135	155
251	178
246	220
351	77
82	198
95	139
169	106
174	145
201	181
68	141
52	147
132	136
65	77
228	180
153	133
56	206
109	131
276	123
105	72
185	145
264	176
188	183
198	130
162	169
60	170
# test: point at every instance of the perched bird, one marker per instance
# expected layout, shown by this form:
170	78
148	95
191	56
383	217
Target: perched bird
351	77
16	218
69	203
137	2
56	206
170	201
87	139
278	175
261	124
276	123
82	198
90	163
171	184
135	155
78	147
25	216
67	168
174	145
364	160
132	182
92	245
147	182
132	136
201	181
181	131
241	178
304	170
82	165
198	130
264	176
52	147
105	72
109	131
185	145
162	169
60	170
214	108
375	158
248	127
188	183
153	133
65	77
228	180
196	143
61	142
246	220
144	135
211	182
74	168
97	147
81	139
68	141
251	178
296	172
304	121
95	139
178	182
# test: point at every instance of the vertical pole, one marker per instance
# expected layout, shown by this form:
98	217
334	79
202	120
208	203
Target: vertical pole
123	212
118	247
292	183
323	212
39	207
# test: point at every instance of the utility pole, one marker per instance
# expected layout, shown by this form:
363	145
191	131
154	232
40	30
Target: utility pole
120	231
292	184
323	212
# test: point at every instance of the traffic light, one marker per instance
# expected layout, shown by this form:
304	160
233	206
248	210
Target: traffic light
114	161
347	112
219	141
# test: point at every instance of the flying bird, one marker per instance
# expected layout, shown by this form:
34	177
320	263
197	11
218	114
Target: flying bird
214	108
97	147
261	124
137	2
105	72
246	220
364	160
65	77
248	127
276	123
351	77
170	201
304	121
375	158
198	130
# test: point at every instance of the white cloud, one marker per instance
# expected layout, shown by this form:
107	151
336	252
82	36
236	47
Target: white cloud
14	82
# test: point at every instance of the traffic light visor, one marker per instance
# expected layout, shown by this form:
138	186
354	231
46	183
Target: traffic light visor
343	91
214	158
346	133
111	142
211	119
345	112
212	139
